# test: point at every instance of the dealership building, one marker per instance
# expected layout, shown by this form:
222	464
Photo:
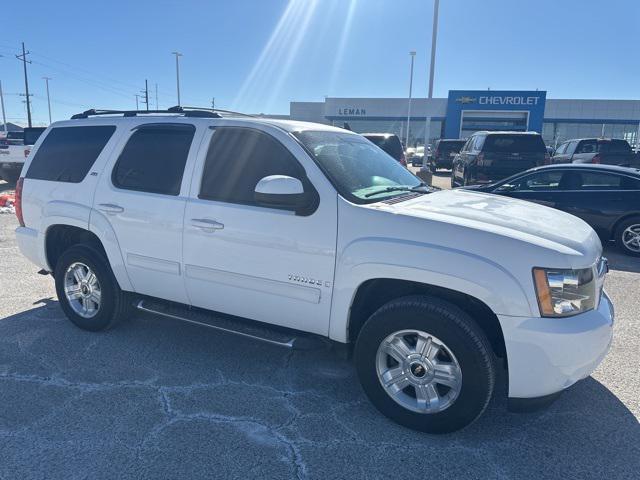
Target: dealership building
467	111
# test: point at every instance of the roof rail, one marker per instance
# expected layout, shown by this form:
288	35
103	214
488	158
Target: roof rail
186	111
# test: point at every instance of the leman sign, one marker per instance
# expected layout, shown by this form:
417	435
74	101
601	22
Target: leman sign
352	112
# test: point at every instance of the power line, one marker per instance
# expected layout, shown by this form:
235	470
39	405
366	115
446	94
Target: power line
23	57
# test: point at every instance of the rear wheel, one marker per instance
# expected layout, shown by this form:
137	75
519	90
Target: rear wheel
87	290
627	236
425	364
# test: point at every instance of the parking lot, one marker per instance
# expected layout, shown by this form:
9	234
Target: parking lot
161	399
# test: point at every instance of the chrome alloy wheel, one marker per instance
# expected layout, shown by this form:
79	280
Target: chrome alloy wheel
418	371
82	289
631	238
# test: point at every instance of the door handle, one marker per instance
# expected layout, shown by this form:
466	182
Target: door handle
206	224
110	208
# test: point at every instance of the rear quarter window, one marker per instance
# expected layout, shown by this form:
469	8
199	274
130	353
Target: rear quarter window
514	144
68	153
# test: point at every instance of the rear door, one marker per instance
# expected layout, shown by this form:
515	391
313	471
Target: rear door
248	260
142	195
600	199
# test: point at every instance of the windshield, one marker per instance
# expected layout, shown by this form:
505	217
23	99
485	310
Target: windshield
362	172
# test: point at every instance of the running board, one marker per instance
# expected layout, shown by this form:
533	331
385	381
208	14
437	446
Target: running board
241	327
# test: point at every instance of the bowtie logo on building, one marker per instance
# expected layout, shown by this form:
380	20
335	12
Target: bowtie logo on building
465	100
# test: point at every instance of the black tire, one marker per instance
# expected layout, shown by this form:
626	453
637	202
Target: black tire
453	178
114	304
465	178
620	232
462	336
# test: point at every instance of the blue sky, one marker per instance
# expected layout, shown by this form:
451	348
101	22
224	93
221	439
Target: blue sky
257	55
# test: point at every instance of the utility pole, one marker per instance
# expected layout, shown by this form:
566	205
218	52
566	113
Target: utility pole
4	117
146	93
413	56
434	37
178	55
157	107
46	79
137	108
213	103
23	57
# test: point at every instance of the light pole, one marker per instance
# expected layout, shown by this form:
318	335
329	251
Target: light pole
178	55
46	79
434	36
4	118
413	56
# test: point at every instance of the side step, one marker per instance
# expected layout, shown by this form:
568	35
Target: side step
224	323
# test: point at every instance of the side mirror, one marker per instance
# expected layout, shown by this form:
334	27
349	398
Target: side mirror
280	191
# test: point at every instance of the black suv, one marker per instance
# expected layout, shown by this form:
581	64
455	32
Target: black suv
444	153
390	143
491	156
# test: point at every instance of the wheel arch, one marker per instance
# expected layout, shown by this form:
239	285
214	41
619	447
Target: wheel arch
374	293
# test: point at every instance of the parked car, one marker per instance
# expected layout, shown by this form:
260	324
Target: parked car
491	156
605	151
390	143
13	151
300	229
418	157
606	197
444	153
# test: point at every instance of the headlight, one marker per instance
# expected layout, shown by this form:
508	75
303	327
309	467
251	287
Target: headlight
562	293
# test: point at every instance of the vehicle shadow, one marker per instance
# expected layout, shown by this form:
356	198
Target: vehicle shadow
173	394
620	261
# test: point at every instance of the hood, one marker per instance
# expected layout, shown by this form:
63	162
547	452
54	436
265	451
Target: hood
518	219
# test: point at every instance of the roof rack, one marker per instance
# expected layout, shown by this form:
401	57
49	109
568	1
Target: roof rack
186	111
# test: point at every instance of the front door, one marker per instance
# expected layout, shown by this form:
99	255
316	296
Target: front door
261	263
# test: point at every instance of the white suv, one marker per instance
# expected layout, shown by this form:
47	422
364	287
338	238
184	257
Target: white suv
289	229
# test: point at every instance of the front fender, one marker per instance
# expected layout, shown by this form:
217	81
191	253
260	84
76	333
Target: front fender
425	263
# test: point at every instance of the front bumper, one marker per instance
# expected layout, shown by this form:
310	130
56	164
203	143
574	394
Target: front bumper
547	355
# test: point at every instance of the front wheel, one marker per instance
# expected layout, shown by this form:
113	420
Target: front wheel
424	363
627	236
88	291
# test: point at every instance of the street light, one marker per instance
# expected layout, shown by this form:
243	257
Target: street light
46	79
177	54
413	56
434	36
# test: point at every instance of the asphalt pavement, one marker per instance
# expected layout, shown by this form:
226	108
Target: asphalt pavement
157	399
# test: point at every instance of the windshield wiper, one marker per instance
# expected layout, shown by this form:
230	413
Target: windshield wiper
419	188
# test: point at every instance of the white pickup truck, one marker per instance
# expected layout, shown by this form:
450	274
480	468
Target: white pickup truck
289	230
14	149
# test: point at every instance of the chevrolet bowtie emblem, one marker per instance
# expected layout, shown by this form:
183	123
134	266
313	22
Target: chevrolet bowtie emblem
464	100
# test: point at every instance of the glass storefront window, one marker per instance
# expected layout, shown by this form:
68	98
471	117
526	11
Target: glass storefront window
554	133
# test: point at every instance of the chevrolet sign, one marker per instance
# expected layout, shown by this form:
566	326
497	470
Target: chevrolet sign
508	100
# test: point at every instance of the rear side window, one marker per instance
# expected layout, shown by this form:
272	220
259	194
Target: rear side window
451	146
153	159
68	153
238	158
614	146
514	144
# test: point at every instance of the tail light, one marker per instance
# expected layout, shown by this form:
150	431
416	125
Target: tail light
27	151
596	159
18	204
403	160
